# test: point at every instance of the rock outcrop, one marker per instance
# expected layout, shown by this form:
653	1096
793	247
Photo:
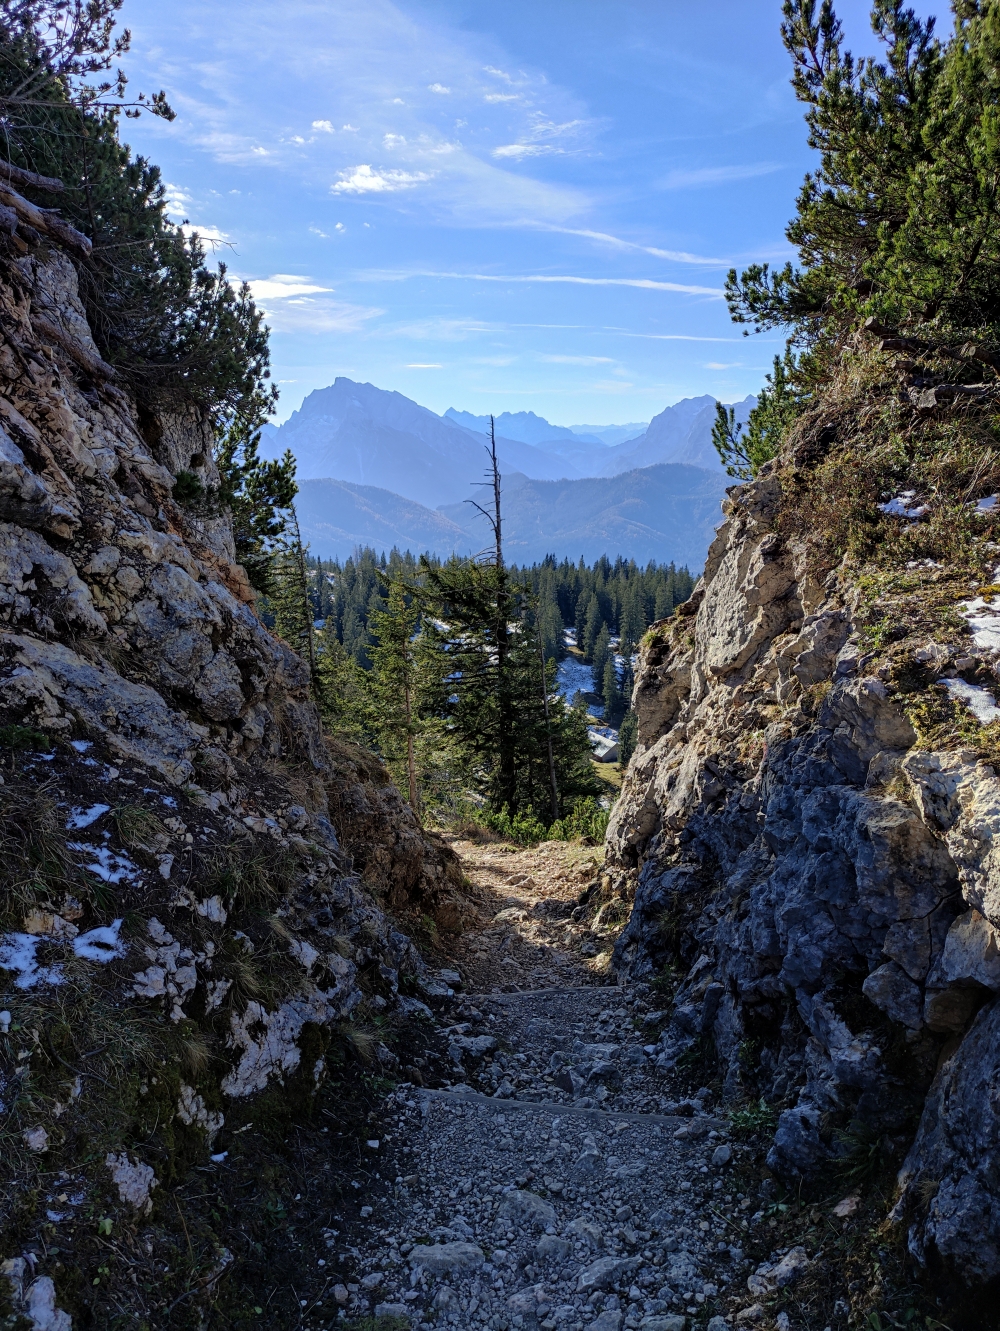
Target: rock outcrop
822	885
189	864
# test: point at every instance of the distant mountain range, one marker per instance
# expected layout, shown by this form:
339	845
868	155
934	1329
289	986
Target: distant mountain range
666	512
377	469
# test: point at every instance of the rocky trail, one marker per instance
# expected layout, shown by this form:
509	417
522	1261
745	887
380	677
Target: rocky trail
556	1179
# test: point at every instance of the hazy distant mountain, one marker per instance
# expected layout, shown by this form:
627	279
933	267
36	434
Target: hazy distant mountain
522	425
370	437
668	512
336	516
610	434
681	434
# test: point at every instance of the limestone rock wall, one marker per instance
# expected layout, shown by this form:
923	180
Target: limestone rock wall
169	807
824	890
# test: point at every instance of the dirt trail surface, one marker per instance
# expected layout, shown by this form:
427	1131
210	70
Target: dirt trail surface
554	1183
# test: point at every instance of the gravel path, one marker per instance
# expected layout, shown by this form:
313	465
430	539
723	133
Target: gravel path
554	1183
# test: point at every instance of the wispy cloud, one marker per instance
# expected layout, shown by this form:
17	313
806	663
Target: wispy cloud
576	360
723	365
642	283
365	180
425	365
700	176
542	139
324	126
617	243
439	88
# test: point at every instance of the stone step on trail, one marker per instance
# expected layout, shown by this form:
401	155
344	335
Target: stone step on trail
524	1214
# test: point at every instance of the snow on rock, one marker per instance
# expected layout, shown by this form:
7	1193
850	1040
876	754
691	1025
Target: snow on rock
102	945
79	818
903	506
988	504
17	953
192	1110
135	1181
979	701
37	1300
983	619
112	866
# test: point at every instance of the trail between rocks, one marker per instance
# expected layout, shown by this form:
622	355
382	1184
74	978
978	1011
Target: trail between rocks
555	1183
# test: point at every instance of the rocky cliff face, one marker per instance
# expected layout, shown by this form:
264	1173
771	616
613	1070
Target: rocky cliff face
182	929
820	884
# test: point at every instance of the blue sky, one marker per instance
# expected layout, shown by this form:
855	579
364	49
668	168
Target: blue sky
497	207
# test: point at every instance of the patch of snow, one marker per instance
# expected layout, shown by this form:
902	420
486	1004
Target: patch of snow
36	1139
979	701
84	817
112	867
988	504
101	944
17	953
903	506
983	619
81	745
573	676
135	1181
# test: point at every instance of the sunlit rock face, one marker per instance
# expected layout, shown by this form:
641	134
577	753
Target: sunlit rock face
823	889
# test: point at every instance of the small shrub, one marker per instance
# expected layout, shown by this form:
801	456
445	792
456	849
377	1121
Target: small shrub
21	738
524	829
586	821
752	1119
188	489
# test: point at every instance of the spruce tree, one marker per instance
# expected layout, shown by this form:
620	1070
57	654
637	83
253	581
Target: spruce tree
397	685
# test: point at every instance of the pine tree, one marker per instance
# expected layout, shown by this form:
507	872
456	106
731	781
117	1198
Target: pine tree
288	601
396	685
614	704
628	734
602	650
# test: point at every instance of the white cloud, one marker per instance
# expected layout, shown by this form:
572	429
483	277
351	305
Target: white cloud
519	150
716	175
393	140
363	180
541	139
723	365
501	97
498	73
211	235
324	126
419	365
577	360
350	129
642	283
315	231
438	88
280	286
